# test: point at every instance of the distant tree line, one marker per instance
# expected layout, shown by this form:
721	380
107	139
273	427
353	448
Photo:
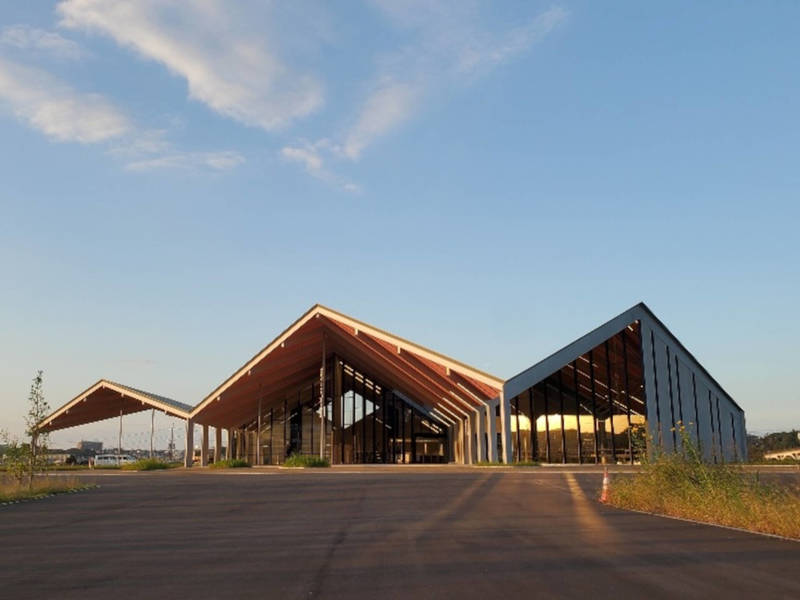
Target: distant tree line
758	446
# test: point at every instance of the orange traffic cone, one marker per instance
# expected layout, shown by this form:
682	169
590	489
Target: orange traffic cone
604	493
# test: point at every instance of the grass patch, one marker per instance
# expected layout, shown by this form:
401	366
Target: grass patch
521	463
11	489
682	485
148	464
3	468
301	460
234	463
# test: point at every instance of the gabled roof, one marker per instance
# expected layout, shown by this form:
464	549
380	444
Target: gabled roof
295	355
639	312
106	399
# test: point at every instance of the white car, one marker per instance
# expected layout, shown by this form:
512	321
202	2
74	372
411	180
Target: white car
113	460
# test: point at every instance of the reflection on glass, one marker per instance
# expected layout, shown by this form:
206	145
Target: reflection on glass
588	411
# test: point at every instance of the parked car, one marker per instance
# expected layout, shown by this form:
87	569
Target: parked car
112	460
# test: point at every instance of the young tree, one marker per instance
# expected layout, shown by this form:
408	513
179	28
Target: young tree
38	409
14	457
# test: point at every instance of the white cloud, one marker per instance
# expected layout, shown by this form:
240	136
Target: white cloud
224	60
385	109
310	156
216	161
57	110
64	114
31	38
447	48
482	52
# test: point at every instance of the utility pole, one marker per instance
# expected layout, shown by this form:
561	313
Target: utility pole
172	442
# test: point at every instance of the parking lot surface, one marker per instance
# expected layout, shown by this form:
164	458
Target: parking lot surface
373	533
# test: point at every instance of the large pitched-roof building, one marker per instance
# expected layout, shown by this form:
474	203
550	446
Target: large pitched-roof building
333	386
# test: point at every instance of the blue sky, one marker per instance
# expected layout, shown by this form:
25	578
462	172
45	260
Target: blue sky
182	180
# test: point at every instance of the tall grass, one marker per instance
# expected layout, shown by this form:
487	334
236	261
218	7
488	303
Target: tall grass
11	489
147	464
683	485
234	463
302	460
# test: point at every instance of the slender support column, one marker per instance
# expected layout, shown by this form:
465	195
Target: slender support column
240	444
322	405
217	444
152	429
468	460
119	440
258	431
229	447
505	425
480	430
189	453
492	428
337	421
450	445
204	447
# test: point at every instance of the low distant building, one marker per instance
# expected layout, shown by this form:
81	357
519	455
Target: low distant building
792	454
95	447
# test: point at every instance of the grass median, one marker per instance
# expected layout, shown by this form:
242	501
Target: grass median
683	485
12	490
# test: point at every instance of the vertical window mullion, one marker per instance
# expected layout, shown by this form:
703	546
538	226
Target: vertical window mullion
519	435
577	409
546	422
626	380
610	402
594	407
671	402
533	425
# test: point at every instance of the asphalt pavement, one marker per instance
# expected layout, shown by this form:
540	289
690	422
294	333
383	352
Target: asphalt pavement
373	533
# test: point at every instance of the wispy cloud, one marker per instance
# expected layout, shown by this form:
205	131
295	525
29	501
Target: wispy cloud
215	161
310	156
64	114
56	109
447	48
226	64
38	40
387	107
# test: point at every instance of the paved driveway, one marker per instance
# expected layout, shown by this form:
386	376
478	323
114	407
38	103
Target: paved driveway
373	533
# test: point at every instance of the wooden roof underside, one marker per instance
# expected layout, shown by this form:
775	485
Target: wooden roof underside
105	400
294	358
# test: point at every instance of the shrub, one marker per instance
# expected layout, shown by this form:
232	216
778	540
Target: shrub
146	464
234	463
302	460
683	485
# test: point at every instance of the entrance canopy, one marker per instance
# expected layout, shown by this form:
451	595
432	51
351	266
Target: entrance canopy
107	399
441	384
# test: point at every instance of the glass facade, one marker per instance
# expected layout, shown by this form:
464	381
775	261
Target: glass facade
589	410
361	421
